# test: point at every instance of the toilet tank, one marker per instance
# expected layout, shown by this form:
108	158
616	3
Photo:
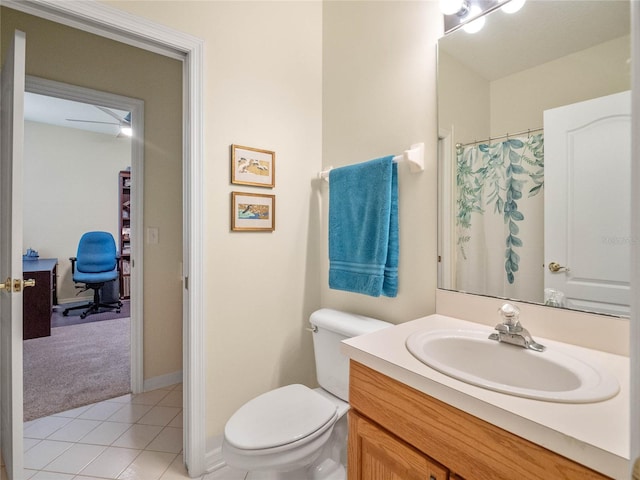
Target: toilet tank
330	328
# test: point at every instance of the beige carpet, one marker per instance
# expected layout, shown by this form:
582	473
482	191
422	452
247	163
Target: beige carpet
75	366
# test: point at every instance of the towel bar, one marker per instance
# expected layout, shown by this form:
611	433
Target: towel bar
414	157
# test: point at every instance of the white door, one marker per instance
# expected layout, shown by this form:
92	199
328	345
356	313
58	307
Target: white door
12	139
587	188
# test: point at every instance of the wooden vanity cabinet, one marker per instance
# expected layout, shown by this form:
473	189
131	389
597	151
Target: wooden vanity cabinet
397	432
383	456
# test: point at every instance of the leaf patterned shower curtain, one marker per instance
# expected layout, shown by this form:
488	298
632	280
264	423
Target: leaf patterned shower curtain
499	221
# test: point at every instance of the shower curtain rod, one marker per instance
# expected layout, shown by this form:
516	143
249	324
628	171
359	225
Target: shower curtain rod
475	142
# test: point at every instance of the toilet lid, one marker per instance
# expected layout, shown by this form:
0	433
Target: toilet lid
278	417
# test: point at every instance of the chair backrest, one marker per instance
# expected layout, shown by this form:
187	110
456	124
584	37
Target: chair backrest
96	253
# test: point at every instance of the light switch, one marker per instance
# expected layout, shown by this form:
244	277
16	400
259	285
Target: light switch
152	235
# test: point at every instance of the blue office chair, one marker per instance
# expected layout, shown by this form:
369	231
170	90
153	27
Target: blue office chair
95	264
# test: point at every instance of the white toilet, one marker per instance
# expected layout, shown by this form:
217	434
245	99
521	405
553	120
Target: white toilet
294	432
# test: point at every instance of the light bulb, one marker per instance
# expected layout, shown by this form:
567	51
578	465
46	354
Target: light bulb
477	24
451	7
512	6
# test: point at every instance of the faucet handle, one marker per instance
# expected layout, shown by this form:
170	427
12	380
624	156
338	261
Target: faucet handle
510	314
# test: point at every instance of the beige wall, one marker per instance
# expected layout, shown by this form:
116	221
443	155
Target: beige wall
321	84
590	73
262	88
70	187
464	101
380	97
67	55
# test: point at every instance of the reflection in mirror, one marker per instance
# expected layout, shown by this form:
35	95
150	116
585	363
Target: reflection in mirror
534	126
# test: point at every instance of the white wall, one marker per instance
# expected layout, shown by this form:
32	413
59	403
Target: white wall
70	187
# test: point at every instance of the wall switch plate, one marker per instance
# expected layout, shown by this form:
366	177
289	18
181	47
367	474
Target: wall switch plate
153	235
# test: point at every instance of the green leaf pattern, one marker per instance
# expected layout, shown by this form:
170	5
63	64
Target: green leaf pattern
498	175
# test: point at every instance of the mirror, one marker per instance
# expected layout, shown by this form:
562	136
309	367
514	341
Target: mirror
534	156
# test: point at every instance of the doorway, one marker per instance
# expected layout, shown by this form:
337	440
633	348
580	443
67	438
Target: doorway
74	153
128	29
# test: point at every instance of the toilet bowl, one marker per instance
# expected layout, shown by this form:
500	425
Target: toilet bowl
295	432
288	432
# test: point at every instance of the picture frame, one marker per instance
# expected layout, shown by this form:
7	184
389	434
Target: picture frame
253	166
253	212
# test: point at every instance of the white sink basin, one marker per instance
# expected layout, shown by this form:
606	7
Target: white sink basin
552	375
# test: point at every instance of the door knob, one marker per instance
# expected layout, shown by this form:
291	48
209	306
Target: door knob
18	284
555	267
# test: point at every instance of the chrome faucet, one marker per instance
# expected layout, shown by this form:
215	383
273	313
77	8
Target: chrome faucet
511	331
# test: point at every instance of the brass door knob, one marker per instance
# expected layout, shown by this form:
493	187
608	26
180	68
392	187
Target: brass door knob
17	284
555	267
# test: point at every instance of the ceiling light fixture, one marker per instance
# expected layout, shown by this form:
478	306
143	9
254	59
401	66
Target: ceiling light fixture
513	6
454	7
126	131
477	24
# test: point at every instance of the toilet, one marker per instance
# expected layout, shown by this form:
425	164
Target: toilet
295	432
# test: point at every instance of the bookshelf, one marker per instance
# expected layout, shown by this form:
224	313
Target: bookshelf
124	229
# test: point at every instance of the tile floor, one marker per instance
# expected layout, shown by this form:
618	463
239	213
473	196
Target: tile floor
133	437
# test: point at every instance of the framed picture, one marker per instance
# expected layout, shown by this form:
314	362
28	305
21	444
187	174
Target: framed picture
253	212
252	166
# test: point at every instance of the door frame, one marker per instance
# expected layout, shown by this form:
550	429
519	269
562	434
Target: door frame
66	91
109	22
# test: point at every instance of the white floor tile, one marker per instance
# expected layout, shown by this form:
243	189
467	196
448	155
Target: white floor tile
123	399
138	436
26	472
110	444
173	399
75	458
168	440
159	416
29	442
111	463
176	470
43	453
73	413
226	473
43	427
106	433
177	421
148	466
101	411
149	398
74	430
51	476
130	413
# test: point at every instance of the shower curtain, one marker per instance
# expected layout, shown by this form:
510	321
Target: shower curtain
499	221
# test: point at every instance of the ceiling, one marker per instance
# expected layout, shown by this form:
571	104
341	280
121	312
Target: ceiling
542	31
57	111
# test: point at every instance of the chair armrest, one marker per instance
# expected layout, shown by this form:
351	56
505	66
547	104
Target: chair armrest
73	264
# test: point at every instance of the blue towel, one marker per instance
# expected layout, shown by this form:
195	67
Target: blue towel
363	228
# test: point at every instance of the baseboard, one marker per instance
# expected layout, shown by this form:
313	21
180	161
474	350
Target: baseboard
80	298
162	381
213	455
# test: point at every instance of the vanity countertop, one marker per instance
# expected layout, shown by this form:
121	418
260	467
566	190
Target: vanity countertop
593	434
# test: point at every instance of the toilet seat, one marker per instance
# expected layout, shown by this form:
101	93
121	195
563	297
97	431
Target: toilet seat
280	417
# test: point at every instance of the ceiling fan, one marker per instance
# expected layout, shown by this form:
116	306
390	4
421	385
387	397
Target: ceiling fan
123	122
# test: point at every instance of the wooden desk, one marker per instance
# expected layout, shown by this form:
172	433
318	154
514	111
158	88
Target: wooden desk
38	301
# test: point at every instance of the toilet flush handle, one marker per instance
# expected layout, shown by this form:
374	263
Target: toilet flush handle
312	328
